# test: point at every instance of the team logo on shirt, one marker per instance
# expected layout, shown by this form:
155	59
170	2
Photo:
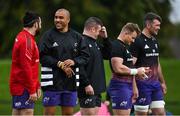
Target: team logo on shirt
146	47
55	44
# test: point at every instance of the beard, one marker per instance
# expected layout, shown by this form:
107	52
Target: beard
154	33
37	32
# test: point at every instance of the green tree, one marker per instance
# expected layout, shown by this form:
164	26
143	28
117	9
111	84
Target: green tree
114	13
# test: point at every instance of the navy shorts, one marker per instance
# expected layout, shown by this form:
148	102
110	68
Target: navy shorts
60	98
21	101
90	101
149	92
120	94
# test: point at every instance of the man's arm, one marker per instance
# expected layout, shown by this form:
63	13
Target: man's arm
83	53
135	91
119	68
105	47
161	78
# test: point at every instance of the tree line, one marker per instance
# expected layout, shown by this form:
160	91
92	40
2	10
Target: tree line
114	14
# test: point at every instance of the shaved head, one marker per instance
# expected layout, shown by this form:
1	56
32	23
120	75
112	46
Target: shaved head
62	19
65	11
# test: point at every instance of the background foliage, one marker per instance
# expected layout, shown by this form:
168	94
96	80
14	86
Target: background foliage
114	13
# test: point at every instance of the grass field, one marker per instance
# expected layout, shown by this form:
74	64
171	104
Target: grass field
171	70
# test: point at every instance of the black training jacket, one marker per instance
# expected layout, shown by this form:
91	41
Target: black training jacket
94	70
56	46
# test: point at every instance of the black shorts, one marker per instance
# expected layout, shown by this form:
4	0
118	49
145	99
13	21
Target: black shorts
90	101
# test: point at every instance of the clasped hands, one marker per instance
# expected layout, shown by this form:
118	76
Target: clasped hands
66	67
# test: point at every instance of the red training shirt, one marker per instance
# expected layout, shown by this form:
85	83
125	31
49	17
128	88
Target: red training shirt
25	62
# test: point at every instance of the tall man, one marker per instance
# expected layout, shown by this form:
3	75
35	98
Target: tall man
146	53
122	83
24	83
62	51
92	84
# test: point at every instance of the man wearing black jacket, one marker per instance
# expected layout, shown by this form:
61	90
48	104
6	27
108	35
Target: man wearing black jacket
92	83
62	52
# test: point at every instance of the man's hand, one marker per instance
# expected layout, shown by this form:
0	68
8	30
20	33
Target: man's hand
69	63
142	72
33	97
135	94
69	72
164	88
103	32
39	93
89	90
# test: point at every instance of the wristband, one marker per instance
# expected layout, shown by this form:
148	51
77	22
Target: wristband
60	64
133	71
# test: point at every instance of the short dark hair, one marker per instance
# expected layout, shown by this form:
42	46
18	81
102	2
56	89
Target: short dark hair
150	16
30	18
131	27
92	22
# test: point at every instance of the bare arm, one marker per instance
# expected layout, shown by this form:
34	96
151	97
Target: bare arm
119	68
161	78
135	91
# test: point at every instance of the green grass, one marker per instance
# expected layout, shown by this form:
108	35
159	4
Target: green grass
171	69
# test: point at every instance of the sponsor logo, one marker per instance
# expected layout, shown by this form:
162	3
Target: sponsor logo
129	59
152	54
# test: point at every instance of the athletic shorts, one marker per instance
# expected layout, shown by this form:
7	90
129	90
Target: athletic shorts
60	98
148	93
120	94
90	101
21	101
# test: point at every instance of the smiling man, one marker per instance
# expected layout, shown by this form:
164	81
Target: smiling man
62	52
